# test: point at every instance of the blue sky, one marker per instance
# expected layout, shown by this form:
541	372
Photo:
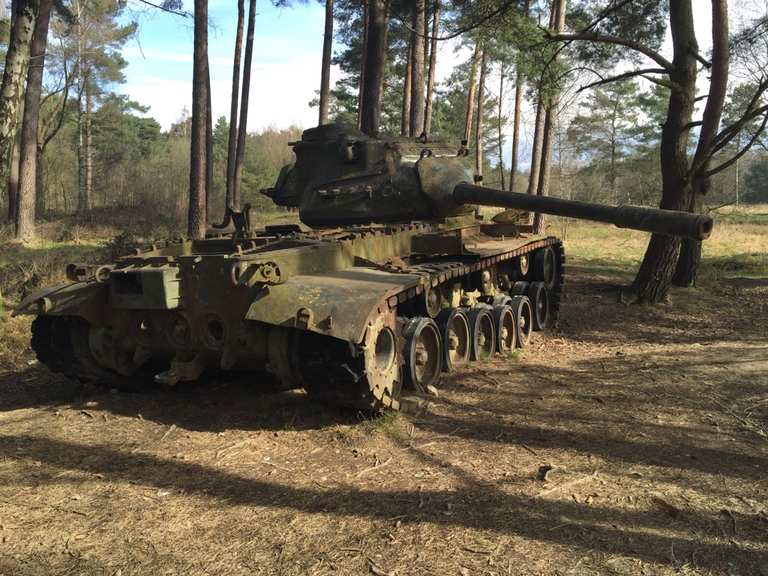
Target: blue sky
286	64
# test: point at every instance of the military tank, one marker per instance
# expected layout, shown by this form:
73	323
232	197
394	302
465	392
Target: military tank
393	280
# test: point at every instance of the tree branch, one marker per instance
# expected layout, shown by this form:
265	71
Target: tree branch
741	152
729	133
624	76
706	63
183	14
606	39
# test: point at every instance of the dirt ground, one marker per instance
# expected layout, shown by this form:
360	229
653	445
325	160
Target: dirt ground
633	440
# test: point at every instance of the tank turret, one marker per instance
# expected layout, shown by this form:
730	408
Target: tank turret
342	177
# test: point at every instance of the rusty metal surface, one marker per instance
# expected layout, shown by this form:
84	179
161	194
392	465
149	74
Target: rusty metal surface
337	304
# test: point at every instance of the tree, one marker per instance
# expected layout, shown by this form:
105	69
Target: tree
605	129
25	213
242	128
198	163
432	68
94	42
232	145
14	73
325	76
417	69
479	118
548	102
375	58
685	179
756	181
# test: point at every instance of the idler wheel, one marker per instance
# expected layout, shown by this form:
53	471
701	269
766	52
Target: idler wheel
521	306
423	353
519	289
545	266
483	333
504	321
522	266
454	328
430	302
538	294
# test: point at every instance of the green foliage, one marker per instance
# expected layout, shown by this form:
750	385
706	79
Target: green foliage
756	181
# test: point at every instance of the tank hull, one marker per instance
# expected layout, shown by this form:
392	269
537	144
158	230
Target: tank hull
325	311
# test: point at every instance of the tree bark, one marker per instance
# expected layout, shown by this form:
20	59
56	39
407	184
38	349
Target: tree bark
14	73
687	268
542	188
83	195
479	122
13	176
197	167
538	132
517	115
471	92
364	52
405	118
654	277
25	215
375	57
417	70
242	129
88	128
233	106
556	24
432	68
208	143
500	126
325	75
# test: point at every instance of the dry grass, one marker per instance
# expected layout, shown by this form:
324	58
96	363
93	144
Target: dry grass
653	419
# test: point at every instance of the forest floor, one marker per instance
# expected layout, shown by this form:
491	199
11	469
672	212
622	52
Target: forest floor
631	440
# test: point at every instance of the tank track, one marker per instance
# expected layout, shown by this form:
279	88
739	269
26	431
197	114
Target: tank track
332	371
61	343
333	375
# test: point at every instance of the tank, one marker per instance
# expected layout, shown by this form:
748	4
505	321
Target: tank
393	279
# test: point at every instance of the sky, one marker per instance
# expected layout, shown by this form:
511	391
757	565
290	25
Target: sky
286	66
287	50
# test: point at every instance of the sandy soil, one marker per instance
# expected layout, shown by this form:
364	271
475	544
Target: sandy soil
654	422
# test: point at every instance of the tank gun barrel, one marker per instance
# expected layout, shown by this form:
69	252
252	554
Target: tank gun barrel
669	222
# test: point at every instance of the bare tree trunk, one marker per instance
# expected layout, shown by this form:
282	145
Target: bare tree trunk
25	215
83	196
13	176
471	92
516	116
88	132
325	75
687	267
375	57
655	274
366	20
432	68
417	70
198	162
542	188
40	200
479	122
14	73
242	129
232	137
500	127
538	133
405	118
208	144
556	24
